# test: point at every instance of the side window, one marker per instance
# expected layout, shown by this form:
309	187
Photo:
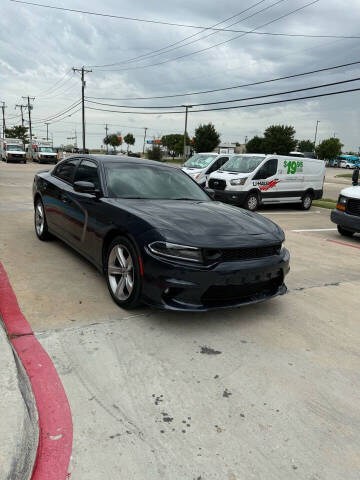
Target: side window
269	169
65	171
215	166
87	172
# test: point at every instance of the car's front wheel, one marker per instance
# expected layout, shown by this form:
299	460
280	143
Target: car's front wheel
344	232
306	201
252	202
41	227
123	273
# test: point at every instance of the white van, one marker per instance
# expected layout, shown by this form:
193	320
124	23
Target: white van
200	165
249	180
12	150
347	212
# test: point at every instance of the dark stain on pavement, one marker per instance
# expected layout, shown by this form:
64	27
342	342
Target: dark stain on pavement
209	351
226	393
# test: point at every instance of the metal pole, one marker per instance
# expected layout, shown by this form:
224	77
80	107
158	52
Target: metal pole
22	113
185	131
106	134
145	128
316	129
3	118
47	131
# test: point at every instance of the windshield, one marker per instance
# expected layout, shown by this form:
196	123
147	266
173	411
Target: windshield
14	148
242	164
46	149
148	182
199	161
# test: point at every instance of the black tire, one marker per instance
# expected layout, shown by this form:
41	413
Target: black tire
344	232
252	202
42	233
130	299
306	201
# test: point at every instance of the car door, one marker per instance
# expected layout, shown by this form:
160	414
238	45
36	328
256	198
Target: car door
266	180
54	191
81	219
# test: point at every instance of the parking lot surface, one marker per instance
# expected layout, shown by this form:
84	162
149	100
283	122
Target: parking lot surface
268	391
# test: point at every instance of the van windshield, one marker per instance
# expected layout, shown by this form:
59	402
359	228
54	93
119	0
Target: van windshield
242	164
199	161
46	149
14	148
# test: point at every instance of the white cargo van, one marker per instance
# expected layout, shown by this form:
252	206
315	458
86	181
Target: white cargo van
200	165
249	180
43	152
347	212
12	150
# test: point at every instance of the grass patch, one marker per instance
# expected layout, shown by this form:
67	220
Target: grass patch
325	203
344	175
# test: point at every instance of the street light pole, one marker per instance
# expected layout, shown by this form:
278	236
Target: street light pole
316	129
145	128
185	132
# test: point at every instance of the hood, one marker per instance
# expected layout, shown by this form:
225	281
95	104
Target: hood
222	174
352	192
192	171
205	224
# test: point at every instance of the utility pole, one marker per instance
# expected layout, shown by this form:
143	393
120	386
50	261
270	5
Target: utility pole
22	112
185	132
316	129
29	108
83	85
145	128
106	134
47	131
3	106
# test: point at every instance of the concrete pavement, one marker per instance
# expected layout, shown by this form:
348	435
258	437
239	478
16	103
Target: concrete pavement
18	418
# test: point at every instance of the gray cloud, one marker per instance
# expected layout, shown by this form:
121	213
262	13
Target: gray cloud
38	46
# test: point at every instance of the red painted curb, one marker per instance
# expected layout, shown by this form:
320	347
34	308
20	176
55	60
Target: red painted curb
343	243
55	422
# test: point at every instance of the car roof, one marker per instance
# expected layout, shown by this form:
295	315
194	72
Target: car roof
118	159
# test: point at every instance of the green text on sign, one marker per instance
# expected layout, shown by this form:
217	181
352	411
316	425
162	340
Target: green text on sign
293	167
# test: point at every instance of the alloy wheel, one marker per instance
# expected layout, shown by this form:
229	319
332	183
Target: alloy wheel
39	219
120	272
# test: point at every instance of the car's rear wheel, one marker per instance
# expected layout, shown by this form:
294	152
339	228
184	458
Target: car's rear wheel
123	274
41	227
306	201
252	202
344	232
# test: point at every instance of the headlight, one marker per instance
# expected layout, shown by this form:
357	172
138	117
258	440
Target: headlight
172	250
238	181
341	204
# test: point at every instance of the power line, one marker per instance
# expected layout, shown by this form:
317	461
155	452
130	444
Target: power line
51	117
233	87
172	24
217	44
232	107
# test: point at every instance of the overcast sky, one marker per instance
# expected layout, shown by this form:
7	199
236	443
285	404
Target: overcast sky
39	46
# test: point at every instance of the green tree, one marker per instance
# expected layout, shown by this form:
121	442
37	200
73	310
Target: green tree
17	132
329	148
306	146
174	142
279	139
129	139
112	140
155	153
206	138
255	145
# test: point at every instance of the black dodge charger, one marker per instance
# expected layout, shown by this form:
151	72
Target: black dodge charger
159	238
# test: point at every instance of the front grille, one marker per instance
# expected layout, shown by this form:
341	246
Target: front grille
217	184
220	295
234	254
353	207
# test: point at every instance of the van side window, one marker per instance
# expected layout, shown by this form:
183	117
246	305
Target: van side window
269	169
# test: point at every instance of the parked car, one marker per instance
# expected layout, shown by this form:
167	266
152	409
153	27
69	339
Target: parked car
201	165
346	164
159	238
250	180
347	213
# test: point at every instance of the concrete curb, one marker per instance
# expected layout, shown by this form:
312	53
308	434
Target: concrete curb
54	446
19	427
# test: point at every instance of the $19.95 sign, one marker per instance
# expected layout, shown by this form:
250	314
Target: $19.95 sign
293	167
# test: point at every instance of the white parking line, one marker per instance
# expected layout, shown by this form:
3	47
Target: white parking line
316	230
288	213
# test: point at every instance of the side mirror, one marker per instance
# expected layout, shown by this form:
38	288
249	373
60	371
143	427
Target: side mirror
355	177
86	187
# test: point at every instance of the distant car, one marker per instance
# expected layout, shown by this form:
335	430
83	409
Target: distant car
201	165
158	237
345	164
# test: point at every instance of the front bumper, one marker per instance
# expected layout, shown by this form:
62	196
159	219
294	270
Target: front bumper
16	159
349	222
174	286
233	197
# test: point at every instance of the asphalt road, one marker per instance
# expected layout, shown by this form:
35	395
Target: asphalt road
265	392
